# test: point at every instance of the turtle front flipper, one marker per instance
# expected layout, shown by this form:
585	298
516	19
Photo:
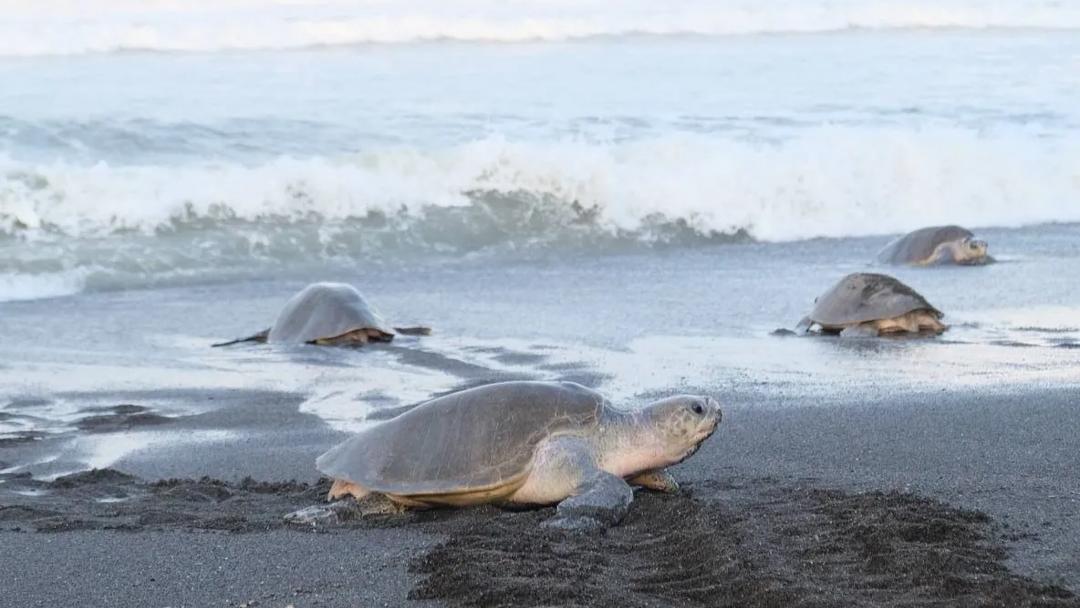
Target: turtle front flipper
417	330
260	337
661	481
803	326
601	501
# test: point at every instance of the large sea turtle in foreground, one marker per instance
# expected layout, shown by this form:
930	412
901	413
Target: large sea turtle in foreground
530	443
867	304
936	245
330	314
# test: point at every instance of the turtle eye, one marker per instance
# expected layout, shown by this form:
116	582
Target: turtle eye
698	408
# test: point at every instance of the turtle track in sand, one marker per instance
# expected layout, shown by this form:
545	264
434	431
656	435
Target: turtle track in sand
759	543
107	499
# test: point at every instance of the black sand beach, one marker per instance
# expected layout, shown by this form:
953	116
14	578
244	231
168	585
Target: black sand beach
935	499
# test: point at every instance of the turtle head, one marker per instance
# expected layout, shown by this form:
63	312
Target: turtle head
680	424
970	251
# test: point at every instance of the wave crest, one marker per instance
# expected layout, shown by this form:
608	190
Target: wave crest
830	182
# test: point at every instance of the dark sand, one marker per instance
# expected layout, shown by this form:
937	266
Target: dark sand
926	500
766	543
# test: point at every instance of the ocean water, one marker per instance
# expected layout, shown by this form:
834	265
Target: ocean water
155	143
631	193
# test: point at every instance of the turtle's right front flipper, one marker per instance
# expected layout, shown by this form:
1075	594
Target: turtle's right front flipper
601	502
259	337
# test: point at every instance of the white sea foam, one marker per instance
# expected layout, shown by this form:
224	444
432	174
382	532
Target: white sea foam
48	27
67	226
826	182
25	286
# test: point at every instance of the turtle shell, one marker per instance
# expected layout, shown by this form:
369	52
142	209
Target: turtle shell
862	297
919	245
325	310
472	440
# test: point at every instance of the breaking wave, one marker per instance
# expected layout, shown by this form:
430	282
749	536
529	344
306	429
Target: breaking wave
76	226
827	182
51	27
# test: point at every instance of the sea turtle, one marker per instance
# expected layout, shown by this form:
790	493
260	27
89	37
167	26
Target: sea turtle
530	443
867	304
936	245
329	314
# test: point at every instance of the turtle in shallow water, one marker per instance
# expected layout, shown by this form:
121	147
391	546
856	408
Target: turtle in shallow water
329	314
867	304
936	245
531	443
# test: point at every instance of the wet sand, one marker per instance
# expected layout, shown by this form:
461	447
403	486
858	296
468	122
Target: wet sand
926	500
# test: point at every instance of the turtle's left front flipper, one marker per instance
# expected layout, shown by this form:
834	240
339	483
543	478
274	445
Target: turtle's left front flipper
602	501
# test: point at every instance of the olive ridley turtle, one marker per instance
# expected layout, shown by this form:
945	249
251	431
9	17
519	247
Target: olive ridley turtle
867	304
936	245
520	442
329	314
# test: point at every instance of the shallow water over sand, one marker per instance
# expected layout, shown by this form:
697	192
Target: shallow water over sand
634	326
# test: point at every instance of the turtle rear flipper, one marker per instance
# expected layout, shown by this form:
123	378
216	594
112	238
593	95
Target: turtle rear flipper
259	337
322	516
416	330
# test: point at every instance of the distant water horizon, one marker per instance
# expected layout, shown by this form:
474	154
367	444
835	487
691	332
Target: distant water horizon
57	27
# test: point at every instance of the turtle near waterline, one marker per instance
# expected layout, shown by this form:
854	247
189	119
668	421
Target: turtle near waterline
868	304
329	314
937	245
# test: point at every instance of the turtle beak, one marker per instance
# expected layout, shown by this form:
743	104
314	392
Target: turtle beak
714	406
714	416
